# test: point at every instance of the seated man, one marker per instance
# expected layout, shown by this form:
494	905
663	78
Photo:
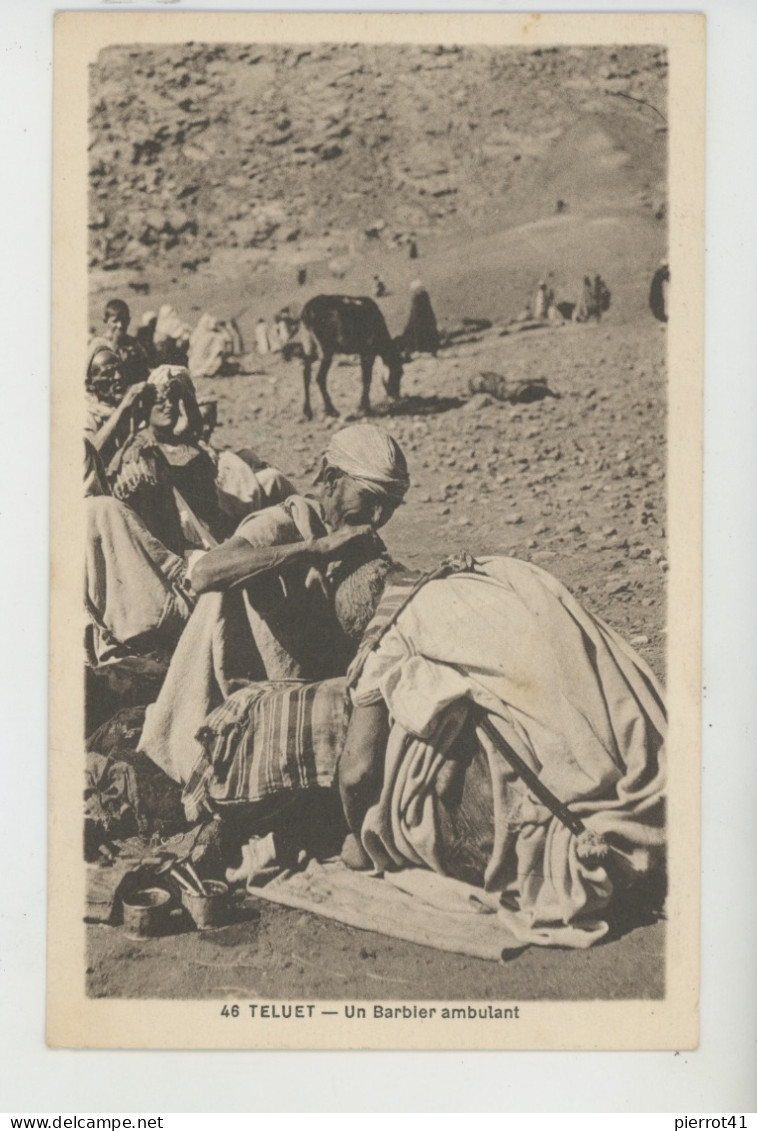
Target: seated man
263	612
112	406
503	736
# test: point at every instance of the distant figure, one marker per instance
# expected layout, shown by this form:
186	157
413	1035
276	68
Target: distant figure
212	345
133	364
231	326
171	337
413	250
543	299
262	344
560	206
379	286
659	292
284	327
302	276
602	297
555	316
421	334
584	308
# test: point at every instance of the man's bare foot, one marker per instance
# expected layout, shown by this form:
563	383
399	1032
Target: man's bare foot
354	855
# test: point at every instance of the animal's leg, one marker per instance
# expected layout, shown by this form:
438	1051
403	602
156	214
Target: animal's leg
320	379
366	370
307	368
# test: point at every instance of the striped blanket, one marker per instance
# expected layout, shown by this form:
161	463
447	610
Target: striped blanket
267	739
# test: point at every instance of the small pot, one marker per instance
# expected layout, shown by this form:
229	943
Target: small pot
209	910
145	912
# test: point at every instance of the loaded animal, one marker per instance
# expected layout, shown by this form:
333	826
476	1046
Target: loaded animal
331	324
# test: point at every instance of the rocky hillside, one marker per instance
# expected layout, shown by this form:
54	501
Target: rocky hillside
314	153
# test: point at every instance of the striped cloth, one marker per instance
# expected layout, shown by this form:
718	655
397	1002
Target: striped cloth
267	739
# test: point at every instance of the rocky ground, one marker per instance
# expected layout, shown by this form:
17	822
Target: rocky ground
575	483
284	154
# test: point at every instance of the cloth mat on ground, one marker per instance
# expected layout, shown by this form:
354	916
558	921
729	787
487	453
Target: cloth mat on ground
415	905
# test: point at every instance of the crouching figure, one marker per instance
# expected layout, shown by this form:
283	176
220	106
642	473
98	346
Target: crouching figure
503	736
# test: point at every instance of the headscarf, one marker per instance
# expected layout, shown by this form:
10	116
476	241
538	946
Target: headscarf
416	286
170	325
95	346
166	378
175	378
371	457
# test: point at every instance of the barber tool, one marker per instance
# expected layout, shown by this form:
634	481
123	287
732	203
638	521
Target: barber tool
590	846
170	866
190	870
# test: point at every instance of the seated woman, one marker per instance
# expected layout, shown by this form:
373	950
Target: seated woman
111	404
164	474
503	736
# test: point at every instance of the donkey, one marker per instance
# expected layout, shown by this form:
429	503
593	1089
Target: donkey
332	324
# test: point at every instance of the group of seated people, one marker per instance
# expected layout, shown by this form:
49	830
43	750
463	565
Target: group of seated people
474	720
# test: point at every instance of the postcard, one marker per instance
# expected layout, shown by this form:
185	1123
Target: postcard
383	336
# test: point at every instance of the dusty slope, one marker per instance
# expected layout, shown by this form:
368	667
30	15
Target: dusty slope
277	152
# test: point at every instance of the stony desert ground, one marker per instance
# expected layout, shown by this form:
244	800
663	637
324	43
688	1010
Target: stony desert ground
575	482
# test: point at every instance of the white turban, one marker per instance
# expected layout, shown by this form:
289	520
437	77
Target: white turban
167	377
371	457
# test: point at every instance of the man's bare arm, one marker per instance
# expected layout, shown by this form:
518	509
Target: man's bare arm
236	561
100	438
361	766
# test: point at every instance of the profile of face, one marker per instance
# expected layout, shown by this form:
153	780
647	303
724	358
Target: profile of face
346	503
106	378
164	411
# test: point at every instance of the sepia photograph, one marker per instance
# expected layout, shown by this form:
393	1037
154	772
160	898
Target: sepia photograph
384	337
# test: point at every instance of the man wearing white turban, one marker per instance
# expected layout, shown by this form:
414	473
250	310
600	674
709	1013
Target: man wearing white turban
362	479
263	612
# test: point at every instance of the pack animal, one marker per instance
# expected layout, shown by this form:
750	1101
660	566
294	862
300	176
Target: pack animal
331	324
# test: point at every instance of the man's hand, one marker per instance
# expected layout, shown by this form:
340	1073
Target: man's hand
331	545
182	427
315	580
131	395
